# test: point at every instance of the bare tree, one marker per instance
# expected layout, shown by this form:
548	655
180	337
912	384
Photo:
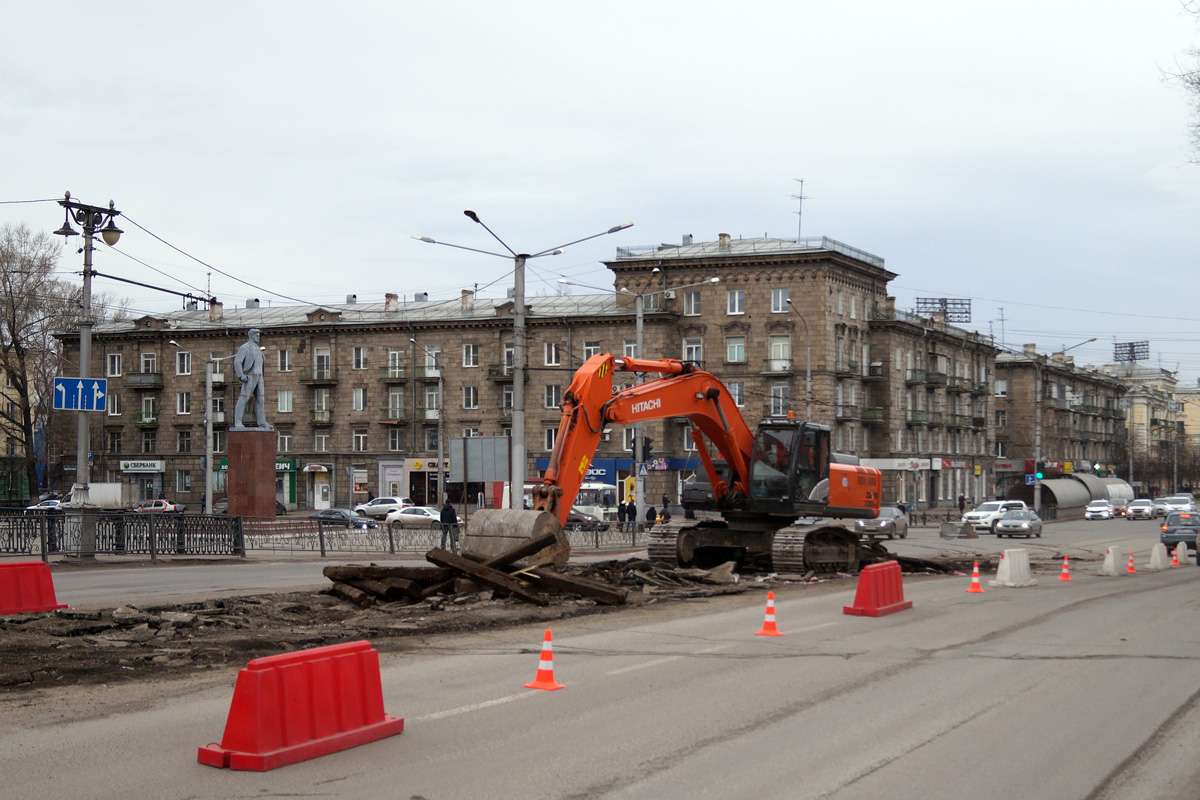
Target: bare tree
34	305
1187	75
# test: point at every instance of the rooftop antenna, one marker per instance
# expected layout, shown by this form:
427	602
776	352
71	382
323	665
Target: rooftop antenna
1002	342
799	198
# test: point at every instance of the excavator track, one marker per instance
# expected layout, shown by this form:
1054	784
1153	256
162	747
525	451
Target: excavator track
787	552
662	545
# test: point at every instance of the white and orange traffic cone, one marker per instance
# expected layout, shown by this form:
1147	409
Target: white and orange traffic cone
1066	571
976	587
768	628
545	673
1174	558
1130	570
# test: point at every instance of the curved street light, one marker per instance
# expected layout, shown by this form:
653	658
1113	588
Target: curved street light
517	464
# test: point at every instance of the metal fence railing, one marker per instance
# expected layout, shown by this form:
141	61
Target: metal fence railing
117	533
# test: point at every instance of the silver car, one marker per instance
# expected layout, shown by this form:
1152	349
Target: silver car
1019	523
891	523
1140	509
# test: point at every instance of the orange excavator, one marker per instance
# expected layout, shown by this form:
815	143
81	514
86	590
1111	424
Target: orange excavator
774	489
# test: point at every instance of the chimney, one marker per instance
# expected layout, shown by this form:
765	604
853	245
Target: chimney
420	297
723	241
889	308
351	299
192	305
252	303
687	239
216	311
468	300
391	302
1030	350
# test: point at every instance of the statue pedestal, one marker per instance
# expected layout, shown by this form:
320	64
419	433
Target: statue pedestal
250	482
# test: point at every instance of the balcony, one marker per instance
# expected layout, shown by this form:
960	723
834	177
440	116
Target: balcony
875	372
846	413
317	375
429	414
847	369
957	384
146	419
426	373
218	379
980	388
144	380
775	410
218	418
321	416
394	416
872	414
936	417
397	373
978	421
914	376
777	366
935	379
961	421
500	372
917	418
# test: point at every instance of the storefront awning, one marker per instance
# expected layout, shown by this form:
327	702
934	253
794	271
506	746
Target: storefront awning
315	468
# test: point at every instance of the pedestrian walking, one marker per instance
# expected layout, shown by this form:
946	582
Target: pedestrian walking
449	521
620	516
665	502
962	504
631	516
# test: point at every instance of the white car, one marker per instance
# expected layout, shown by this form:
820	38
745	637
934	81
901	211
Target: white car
1140	509
1179	504
45	505
1098	509
381	506
985	517
417	517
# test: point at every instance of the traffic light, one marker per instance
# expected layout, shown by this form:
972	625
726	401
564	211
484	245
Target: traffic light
1040	470
647	449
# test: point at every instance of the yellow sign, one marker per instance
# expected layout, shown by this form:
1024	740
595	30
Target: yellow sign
1068	467
630	488
416	465
604	369
583	466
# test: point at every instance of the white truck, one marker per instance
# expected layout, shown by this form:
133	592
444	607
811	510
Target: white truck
110	496
983	519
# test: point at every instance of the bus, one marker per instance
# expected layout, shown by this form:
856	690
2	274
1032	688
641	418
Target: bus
597	499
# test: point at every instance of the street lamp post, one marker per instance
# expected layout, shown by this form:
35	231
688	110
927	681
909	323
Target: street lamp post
517	462
1039	402
90	218
639	308
441	469
807	362
209	365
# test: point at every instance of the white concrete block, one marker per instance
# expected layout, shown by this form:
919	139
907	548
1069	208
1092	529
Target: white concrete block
1110	563
1158	557
1014	570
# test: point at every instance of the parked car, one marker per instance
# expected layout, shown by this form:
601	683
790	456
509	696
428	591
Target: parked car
45	505
222	507
1160	506
984	518
890	523
158	507
1180	502
380	507
578	521
417	517
344	517
1020	522
1180	527
1098	509
1140	509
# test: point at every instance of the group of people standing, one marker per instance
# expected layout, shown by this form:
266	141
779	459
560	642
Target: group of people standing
627	515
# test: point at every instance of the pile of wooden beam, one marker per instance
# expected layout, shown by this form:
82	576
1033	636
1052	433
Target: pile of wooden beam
366	585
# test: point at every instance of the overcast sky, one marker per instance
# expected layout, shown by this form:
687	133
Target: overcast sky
1028	156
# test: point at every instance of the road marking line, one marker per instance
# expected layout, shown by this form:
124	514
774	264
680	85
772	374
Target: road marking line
473	707
657	661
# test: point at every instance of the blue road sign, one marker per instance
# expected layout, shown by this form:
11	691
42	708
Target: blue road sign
1030	480
80	394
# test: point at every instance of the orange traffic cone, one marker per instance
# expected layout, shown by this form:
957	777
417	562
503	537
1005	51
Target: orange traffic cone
976	587
545	673
1066	571
768	628
1130	570
1174	558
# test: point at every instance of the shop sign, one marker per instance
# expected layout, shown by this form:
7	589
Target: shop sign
142	466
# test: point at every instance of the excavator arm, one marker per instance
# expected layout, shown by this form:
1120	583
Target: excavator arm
590	404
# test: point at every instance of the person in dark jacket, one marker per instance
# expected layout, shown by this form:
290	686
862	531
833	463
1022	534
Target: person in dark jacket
631	515
449	521
620	516
651	517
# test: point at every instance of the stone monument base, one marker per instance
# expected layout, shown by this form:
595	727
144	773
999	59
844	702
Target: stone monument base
250	481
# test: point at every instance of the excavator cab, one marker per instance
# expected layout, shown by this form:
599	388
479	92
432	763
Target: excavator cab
789	468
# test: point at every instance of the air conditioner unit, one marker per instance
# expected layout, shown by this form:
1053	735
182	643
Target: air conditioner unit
669	294
606	436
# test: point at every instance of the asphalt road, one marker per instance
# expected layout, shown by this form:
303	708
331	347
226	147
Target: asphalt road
1081	689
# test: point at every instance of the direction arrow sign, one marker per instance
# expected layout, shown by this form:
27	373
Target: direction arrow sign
80	394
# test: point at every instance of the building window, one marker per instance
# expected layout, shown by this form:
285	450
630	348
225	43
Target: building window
470	433
470	355
321	442
506	397
183	403
629	348
358	398
470	397
395	403
779	399
359	441
183	363
183	441
1001	387
395	362
321	399
183	481
691	303
433	398
508	355
285	401
149	441
735	349
114	365
553	396
284	442
1001	418
693	350
549	435
1001	449
431	438
113	442
779	300
553	354
285	361
149	362
358	358
780	348
433	358
735	301
395	439
590	349
218	441
113	403
735	392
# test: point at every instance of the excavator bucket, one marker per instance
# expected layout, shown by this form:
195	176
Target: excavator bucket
491	532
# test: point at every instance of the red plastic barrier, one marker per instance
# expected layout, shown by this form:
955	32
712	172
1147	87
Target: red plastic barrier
26	586
880	591
301	705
